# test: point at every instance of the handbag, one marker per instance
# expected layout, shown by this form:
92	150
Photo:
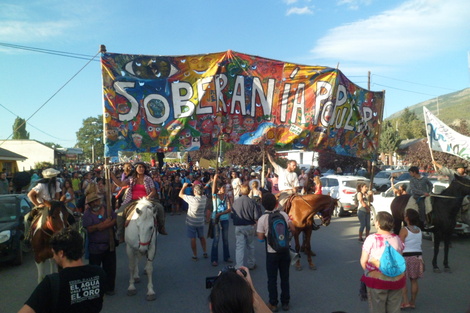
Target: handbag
392	263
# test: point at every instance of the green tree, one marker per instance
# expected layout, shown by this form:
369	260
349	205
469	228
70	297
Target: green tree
19	129
389	139
52	145
409	125
90	138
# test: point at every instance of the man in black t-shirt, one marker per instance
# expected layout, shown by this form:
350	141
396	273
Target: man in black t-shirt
77	288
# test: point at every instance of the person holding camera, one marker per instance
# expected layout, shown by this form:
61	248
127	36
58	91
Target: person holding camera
233	292
195	218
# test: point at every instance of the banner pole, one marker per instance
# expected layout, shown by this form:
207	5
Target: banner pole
262	169
428	139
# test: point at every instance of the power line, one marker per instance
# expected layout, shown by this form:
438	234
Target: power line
421	93
52	52
405	81
50	98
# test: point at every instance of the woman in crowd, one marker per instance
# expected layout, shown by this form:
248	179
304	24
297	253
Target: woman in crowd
68	195
383	292
220	218
233	292
255	192
176	186
412	237
363	211
318	185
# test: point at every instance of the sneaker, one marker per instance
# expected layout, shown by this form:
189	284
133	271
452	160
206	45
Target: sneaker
273	308
285	307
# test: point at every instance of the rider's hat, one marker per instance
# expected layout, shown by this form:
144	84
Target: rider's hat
460	165
50	172
91	197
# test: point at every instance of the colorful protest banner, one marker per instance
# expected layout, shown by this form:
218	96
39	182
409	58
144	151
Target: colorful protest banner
184	103
443	138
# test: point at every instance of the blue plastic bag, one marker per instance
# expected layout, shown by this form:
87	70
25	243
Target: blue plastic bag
392	263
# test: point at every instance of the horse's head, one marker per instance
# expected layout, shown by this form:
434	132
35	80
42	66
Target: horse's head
327	212
460	186
146	216
56	215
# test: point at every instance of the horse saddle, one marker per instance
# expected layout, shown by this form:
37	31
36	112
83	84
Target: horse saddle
288	203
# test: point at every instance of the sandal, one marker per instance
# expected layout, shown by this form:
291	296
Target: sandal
194	258
205	255
215	263
405	306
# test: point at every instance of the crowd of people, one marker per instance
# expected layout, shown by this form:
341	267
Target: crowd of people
211	198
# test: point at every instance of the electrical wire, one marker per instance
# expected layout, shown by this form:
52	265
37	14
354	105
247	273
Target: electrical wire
411	91
405	81
52	52
50	98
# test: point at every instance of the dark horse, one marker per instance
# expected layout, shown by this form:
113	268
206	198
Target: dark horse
301	210
445	207
54	217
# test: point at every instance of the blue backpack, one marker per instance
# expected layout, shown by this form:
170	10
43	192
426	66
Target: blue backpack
278	234
392	263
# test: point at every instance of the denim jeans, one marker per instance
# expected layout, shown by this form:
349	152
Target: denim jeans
364	219
222	226
278	262
245	236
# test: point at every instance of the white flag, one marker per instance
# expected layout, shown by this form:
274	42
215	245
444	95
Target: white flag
442	138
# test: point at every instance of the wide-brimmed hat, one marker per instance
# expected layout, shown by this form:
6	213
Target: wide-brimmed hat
50	172
460	165
253	174
91	197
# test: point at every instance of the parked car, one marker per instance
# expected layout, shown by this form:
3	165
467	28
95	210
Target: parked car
342	187
382	179
13	208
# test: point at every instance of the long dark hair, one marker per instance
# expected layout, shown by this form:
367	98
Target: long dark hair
51	185
231	294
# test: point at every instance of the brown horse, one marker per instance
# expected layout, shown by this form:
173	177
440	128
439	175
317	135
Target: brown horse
53	218
301	211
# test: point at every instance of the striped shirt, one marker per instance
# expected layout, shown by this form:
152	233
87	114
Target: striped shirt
196	209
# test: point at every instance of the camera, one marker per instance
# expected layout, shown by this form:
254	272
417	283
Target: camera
189	185
210	281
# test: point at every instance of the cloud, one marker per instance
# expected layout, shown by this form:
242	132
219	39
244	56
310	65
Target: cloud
354	4
299	11
288	2
415	30
20	31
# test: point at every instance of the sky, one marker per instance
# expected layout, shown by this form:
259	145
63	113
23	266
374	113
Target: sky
415	50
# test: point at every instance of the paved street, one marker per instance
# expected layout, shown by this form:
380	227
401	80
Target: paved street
180	282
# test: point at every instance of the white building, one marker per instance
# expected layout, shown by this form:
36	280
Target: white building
303	158
35	152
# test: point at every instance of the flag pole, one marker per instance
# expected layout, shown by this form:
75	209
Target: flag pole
427	137
262	169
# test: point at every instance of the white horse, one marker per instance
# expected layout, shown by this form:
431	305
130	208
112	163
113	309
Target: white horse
140	237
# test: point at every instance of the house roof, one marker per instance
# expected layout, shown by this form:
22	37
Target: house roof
7	155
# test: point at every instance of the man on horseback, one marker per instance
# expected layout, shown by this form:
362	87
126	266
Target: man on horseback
288	182
420	187
47	189
460	170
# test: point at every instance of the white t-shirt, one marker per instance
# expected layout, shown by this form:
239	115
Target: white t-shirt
286	180
236	184
43	193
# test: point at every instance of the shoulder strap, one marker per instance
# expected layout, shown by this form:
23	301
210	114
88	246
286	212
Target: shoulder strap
55	289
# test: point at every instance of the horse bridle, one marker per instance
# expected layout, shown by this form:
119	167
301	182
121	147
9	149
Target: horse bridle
314	225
